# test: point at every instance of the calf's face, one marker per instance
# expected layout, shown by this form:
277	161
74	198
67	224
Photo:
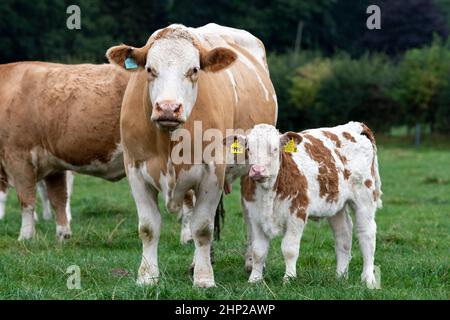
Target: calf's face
264	145
173	61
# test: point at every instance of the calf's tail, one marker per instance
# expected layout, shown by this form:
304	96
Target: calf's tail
365	130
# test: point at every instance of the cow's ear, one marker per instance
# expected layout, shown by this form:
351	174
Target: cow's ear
128	57
288	136
216	59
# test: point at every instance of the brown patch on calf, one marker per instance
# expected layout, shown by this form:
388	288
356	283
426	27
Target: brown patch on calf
341	157
333	137
291	183
348	136
347	174
328	175
368	183
248	187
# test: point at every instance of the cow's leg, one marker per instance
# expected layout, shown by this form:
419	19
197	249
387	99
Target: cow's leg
57	193
366	229
25	184
46	208
69	182
342	227
3	195
290	245
202	227
249	236
260	248
149	226
186	214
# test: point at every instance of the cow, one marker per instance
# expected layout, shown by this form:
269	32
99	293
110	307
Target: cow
214	77
45	202
317	173
55	118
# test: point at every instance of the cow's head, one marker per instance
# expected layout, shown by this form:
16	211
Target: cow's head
173	60
264	145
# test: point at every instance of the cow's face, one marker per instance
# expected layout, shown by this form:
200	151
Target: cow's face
173	61
264	147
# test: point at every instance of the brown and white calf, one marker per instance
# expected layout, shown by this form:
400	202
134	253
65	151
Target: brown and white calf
317	173
215	75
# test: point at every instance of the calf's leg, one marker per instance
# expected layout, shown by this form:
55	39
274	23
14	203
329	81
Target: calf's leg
290	245
58	195
149	226
342	227
366	230
248	245
260	247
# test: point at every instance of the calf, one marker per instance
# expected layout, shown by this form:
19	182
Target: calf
317	173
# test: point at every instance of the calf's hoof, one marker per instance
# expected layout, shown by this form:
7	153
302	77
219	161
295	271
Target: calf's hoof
370	281
147	280
288	278
63	233
255	279
26	233
204	283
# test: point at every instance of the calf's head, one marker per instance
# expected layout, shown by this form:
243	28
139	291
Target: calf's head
264	145
173	60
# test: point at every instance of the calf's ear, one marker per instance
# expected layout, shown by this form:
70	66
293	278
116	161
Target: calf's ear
216	59
128	57
288	136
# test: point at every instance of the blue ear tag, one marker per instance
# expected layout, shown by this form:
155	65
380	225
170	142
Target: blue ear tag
130	63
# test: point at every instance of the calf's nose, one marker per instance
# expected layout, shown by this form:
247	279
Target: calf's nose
258	172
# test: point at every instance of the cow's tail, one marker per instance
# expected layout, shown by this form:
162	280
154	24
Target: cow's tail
219	219
365	130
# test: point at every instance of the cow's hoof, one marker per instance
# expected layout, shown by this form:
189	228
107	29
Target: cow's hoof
204	283
63	233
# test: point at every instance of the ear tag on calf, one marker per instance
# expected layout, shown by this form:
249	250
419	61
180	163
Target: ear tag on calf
130	63
290	147
236	147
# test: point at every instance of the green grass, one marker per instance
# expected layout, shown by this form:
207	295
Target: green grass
412	246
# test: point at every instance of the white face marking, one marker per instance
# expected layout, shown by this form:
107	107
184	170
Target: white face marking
172	62
264	148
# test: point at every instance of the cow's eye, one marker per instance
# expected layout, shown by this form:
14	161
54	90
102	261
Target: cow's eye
193	73
195	70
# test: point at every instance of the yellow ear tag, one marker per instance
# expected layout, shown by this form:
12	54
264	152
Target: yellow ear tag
290	147
236	147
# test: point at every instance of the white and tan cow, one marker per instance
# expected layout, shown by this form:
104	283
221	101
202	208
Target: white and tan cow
213	74
317	173
55	118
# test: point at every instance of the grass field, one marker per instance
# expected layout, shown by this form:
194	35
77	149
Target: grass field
412	246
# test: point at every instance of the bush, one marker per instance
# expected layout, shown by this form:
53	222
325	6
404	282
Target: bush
422	77
336	91
282	70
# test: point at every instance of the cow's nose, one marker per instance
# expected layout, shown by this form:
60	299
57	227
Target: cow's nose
169	107
258	172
